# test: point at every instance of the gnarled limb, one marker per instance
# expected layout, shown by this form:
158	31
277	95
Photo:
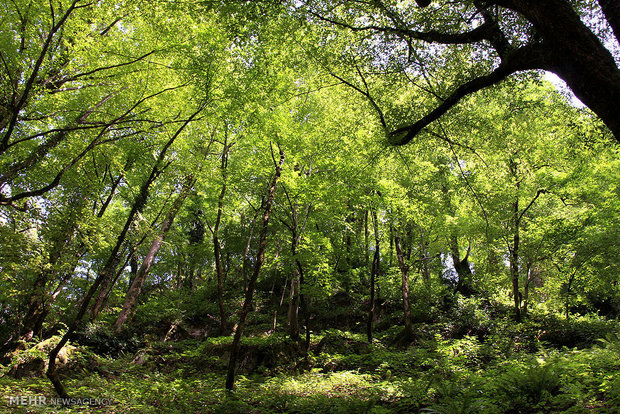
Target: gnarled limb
556	40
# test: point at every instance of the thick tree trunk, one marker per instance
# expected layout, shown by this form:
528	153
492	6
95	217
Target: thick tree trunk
561	43
249	293
611	10
462	268
33	320
40	300
576	55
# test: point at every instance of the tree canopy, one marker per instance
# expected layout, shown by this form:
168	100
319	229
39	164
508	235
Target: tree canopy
231	182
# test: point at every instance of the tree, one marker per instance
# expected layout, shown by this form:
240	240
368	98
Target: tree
140	276
258	264
56	100
113	259
485	42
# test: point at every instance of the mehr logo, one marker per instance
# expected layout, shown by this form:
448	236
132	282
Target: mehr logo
43	400
27	400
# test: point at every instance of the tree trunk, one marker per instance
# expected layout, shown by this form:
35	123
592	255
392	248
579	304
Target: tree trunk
33	320
217	247
138	281
112	261
514	261
275	314
366	241
462	268
246	253
304	304
404	272
526	288
106	288
373	274
293	306
249	293
424	258
576	55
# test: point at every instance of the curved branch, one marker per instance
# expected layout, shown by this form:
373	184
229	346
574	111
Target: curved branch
365	93
480	33
524	58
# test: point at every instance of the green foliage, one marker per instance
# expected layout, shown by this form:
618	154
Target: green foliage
528	388
513	175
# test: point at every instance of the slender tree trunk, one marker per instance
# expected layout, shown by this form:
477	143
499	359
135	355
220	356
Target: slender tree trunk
391	252
569	287
112	261
249	293
366	241
513	248
514	262
293	306
275	314
138	281
217	247
110	265
107	286
404	273
294	295
297	299
304	304
246	254
133	267
425	258
373	274
526	288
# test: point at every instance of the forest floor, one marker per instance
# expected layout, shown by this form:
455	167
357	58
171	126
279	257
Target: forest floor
545	364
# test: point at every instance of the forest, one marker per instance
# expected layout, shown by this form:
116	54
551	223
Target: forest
309	206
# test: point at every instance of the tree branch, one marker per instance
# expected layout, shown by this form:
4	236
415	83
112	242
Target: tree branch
538	193
524	58
480	33
611	10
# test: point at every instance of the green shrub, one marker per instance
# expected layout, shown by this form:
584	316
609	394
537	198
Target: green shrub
527	389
